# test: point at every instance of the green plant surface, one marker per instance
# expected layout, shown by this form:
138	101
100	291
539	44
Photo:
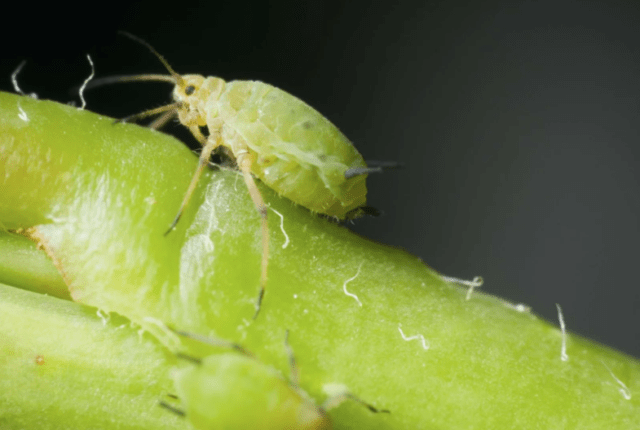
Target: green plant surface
62	366
22	263
98	198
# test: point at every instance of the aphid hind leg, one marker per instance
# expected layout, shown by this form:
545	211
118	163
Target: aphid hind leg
244	163
171	408
209	145
293	365
159	122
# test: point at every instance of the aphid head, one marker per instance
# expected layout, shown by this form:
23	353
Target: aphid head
189	92
194	88
191	95
188	89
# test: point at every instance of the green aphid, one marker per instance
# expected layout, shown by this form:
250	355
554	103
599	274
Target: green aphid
233	390
269	134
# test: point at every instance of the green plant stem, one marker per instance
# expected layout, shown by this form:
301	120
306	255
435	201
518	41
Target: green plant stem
62	366
99	197
23	264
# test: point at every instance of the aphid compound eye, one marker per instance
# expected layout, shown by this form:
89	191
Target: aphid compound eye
190	90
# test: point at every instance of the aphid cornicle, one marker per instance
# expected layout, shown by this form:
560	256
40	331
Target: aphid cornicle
272	135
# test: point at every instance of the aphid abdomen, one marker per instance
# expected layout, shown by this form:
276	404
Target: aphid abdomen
308	186
298	152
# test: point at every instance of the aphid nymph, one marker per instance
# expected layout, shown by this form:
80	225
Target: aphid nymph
271	135
233	390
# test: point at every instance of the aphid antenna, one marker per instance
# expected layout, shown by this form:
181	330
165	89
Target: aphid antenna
173	77
117	79
176	77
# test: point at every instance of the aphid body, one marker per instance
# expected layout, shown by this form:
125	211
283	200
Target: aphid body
290	146
234	391
271	135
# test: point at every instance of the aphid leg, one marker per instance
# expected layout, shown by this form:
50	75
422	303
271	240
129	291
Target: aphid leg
159	122
374	167
172	408
173	107
211	144
218	343
293	366
244	163
336	399
194	360
473	284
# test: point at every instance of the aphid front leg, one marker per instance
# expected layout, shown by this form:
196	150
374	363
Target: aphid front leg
158	123
209	145
244	163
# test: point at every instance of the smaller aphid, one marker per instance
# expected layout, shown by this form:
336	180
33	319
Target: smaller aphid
233	390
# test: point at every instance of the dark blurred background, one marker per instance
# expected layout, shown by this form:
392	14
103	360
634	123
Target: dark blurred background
518	123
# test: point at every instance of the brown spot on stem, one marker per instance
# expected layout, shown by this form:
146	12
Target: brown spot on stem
34	234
